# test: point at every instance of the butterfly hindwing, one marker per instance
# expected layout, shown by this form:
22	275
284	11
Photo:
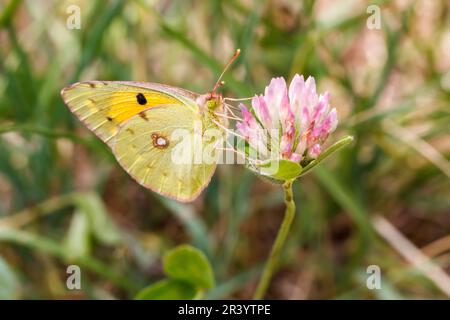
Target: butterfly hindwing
149	148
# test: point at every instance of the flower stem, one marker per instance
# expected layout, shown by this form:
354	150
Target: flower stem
272	261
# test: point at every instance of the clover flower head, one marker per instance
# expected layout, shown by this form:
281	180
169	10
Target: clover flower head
288	123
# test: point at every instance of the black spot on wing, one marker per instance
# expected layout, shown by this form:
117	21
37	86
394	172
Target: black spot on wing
141	99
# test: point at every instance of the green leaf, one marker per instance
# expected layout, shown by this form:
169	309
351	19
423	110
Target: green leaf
77	241
186	263
9	282
168	289
280	169
100	223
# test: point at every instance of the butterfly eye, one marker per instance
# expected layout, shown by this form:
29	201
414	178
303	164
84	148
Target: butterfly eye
141	99
212	104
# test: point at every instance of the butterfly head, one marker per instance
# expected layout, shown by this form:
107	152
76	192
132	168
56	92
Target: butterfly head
210	101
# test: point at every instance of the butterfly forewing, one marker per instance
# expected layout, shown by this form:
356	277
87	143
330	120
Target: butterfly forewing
139	121
104	105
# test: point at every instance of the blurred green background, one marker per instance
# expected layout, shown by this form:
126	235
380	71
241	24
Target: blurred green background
64	200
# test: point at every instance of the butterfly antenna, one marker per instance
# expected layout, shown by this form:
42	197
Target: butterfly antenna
219	81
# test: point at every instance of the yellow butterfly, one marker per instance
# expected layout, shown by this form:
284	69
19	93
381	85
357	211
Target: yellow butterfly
137	120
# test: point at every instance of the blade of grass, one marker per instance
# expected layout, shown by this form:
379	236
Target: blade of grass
8	12
224	289
411	253
238	87
96	35
93	144
421	146
344	198
194	225
56	249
